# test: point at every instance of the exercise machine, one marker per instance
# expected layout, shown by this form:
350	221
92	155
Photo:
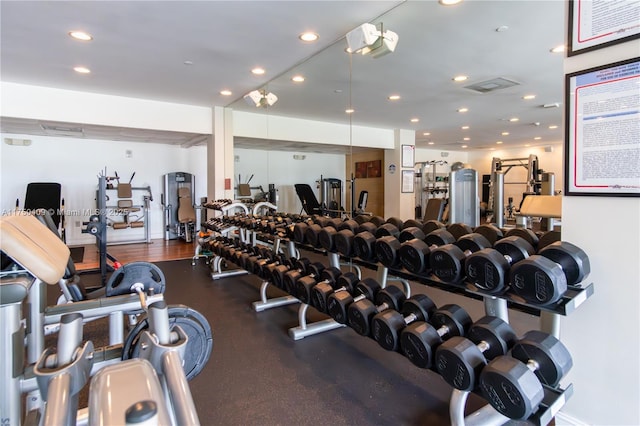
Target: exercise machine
180	214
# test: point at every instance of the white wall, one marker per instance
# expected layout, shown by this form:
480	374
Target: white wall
280	169
75	163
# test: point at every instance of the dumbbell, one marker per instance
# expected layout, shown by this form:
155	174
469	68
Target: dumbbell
361	312
387	325
320	293
339	301
513	385
543	278
305	284
432	225
488	269
327	236
414	254
490	231
459	229
460	360
297	269
387	247
419	340
526	233
447	262
364	241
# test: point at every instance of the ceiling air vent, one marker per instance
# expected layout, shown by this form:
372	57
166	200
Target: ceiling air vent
61	130
492	85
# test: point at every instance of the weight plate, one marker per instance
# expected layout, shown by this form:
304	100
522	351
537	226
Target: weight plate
150	275
195	326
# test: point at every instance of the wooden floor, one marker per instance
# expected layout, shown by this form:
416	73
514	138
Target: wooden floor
156	251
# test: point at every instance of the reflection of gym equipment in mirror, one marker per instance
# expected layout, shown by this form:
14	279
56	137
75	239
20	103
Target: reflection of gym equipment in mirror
331	196
430	184
125	214
245	193
180	212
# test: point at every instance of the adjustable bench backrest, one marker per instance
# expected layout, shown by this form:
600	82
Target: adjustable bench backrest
32	245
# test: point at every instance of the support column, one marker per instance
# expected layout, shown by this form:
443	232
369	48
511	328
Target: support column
396	202
220	157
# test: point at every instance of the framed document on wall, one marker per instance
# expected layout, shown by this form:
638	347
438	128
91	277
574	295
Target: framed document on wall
602	139
407	180
408	155
594	24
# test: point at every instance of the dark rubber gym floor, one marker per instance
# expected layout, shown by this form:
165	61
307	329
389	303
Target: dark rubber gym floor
258	375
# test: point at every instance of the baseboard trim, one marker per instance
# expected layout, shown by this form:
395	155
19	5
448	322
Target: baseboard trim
563	419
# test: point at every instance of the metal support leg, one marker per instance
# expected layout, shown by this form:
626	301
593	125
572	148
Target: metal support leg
485	416
266	303
381	275
304	330
496	307
12	348
550	323
116	328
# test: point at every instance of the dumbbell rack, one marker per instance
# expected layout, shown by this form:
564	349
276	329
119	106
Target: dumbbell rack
554	398
499	305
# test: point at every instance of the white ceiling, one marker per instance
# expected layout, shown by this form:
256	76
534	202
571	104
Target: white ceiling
140	48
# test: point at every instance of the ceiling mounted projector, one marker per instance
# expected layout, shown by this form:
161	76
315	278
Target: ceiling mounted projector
260	98
368	39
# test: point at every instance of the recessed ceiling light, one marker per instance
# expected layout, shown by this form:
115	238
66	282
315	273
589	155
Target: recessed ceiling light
499	142
188	62
502	28
514	119
526	144
226	92
308	37
537	138
465	127
297	78
430	143
258	71
426	134
464	146
557	49
528	97
460	78
466	139
394	97
505	133
349	110
337	91
553	126
415	120
463	109
80	35
82	70
449	2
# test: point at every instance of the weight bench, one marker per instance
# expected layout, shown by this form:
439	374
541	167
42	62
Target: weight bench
308	199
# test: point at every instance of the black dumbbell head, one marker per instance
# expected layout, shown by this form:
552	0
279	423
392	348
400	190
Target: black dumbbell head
414	256
490	231
439	237
472	242
447	263
547	238
410	233
459	229
387	229
396	221
344	242
487	269
418	342
525	233
552	358
574	261
516	248
362	218
511	388
387	249
538	280
412	223
453	317
364	245
432	225
326	238
377	220
386	326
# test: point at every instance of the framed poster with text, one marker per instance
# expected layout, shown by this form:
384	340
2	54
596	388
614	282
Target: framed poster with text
602	140
594	24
